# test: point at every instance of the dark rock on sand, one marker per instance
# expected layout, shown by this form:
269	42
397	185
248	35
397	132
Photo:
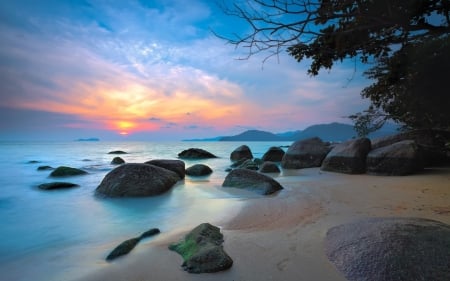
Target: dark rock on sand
398	159
149	233
56	185
44	168
117	161
242	152
251	180
269	167
202	250
117	152
348	157
195	153
391	249
305	154
274	154
124	248
199	170
64	171
131	180
176	166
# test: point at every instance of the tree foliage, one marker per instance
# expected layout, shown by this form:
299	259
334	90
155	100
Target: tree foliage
407	40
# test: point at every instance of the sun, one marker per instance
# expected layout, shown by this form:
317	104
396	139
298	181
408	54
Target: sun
123	133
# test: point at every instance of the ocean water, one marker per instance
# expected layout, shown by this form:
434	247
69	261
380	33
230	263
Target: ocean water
62	234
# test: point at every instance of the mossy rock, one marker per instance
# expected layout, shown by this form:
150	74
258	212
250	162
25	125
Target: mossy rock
149	233
202	250
64	171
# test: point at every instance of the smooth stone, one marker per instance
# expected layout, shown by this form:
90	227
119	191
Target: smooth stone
64	171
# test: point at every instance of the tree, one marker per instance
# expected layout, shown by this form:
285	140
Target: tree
402	38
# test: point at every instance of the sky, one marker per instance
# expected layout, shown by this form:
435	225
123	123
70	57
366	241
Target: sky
152	70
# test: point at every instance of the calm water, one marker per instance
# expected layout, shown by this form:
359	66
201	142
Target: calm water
49	234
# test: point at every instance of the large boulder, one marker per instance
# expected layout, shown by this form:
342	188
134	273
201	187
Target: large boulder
198	170
195	153
269	167
348	157
393	248
251	180
398	159
131	180
64	171
202	250
176	166
242	152
305	154
274	154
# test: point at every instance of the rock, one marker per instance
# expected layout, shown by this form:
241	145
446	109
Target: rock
176	166
149	233
305	154
195	153
198	170
391	249
117	161
251	180
130	180
274	154
202	250
33	162
249	164
269	167
64	171
242	152
44	168
398	159
117	152
56	185
348	157
124	248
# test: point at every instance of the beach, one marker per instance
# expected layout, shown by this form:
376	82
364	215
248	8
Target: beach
280	237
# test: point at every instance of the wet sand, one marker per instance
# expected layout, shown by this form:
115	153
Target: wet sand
281	237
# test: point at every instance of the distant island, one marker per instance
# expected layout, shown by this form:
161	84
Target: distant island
328	132
89	139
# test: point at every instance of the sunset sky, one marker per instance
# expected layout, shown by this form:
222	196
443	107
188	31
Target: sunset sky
151	70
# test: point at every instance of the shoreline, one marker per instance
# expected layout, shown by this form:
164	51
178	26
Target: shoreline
280	237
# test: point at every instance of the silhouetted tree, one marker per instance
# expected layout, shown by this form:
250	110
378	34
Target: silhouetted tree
406	40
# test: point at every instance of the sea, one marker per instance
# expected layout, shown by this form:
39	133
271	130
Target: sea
64	234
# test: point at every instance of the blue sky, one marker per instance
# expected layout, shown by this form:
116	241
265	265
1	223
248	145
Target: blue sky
151	70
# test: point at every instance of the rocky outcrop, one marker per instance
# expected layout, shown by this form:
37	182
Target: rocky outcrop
269	167
176	166
391	249
57	185
398	159
348	157
195	153
126	246
64	171
202	250
242	152
117	152
305	154
117	161
198	170
251	180
274	154
130	180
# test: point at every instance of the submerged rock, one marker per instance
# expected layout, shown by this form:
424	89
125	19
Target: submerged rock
242	152
176	166
132	179
117	161
56	185
117	152
305	154
45	168
199	170
195	153
391	249
348	157
251	180
64	171
202	250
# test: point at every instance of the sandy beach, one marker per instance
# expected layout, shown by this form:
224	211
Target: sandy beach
281	237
